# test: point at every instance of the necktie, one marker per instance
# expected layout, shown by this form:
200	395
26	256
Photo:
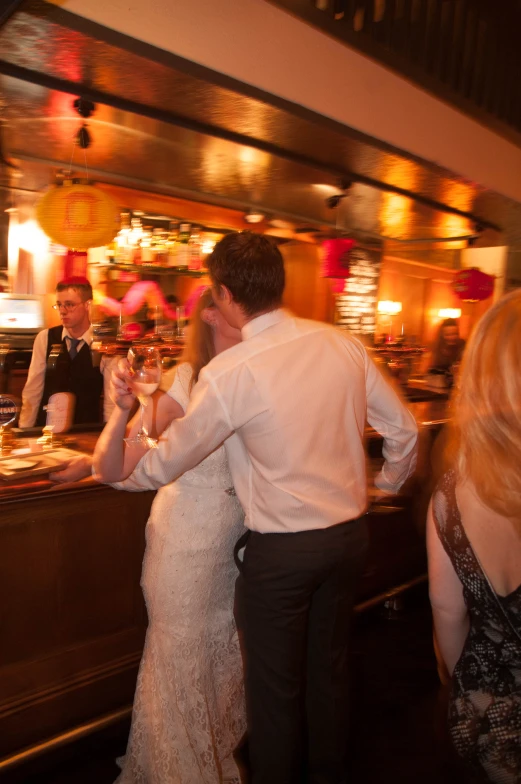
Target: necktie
73	350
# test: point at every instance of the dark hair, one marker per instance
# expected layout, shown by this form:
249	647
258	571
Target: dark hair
251	268
449	322
80	285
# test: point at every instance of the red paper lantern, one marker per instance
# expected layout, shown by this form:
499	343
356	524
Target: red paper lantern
75	264
473	285
335	261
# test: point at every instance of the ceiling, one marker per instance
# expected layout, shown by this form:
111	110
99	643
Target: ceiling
167	126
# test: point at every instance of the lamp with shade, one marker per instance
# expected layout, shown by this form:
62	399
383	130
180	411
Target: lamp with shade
389	308
449	313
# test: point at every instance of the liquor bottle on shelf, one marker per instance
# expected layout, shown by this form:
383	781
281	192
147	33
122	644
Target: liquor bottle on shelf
123	246
110	252
183	249
172	244
195	261
156	245
162	250
147	252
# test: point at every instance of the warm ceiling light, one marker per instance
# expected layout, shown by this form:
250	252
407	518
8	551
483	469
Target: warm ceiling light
389	308
281	224
254	216
325	189
449	313
207	247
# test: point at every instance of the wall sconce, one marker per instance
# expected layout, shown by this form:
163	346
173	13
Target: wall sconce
389	308
446	313
254	216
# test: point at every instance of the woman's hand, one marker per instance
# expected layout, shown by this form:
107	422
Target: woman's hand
121	393
76	469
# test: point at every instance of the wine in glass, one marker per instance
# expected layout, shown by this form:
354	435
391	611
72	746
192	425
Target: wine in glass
144	375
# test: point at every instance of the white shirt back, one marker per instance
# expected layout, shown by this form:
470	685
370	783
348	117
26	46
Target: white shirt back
292	399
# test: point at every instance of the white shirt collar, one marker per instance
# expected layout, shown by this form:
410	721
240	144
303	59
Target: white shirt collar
87	336
260	323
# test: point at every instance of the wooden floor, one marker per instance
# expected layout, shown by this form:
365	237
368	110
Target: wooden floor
398	715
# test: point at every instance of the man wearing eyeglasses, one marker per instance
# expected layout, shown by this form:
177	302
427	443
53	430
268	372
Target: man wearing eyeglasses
79	376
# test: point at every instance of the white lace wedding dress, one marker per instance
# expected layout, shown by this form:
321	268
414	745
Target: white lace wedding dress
188	712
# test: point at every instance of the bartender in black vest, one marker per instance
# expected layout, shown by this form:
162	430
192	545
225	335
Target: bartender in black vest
76	372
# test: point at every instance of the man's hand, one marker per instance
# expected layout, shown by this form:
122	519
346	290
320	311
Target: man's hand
76	469
121	393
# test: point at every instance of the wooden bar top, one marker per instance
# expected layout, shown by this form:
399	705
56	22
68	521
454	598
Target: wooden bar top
22	488
429	414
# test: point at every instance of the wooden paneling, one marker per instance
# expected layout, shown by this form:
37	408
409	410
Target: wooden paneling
72	616
408	290
306	294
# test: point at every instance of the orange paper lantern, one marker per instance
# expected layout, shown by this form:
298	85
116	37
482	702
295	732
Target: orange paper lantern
78	216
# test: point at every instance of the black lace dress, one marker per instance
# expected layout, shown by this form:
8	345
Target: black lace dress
485	700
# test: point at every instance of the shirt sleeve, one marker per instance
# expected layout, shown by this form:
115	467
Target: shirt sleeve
389	416
186	441
33	390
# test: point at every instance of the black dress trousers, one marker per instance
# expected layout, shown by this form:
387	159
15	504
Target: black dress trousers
294	601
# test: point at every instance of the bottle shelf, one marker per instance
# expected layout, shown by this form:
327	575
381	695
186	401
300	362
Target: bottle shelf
151	269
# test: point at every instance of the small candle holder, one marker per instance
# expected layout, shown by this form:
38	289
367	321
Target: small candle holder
48	440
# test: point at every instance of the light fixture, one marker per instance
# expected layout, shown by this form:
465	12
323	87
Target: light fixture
281	224
11	208
389	308
452	313
207	247
254	216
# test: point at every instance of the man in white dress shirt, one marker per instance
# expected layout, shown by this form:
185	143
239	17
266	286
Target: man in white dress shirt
291	403
77	374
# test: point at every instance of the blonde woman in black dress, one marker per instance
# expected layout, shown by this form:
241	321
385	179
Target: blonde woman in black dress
474	545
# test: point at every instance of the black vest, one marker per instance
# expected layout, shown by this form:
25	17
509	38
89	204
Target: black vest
73	375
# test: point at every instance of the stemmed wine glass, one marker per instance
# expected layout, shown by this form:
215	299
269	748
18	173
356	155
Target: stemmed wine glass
144	375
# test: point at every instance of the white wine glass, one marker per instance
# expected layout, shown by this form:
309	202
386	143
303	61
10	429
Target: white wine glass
144	376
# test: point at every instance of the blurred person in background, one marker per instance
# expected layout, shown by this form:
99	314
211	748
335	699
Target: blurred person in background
448	346
78	375
474	548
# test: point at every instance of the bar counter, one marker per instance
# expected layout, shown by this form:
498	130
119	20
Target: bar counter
72	614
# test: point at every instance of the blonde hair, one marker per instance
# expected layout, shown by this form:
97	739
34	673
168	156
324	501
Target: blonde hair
488	408
200	348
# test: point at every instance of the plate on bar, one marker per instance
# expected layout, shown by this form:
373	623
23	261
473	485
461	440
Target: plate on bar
18	464
12	469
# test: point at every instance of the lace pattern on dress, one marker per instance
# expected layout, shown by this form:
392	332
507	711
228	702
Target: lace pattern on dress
189	712
485	703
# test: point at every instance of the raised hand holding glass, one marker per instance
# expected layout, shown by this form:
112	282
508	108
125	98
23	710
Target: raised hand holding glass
144	375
